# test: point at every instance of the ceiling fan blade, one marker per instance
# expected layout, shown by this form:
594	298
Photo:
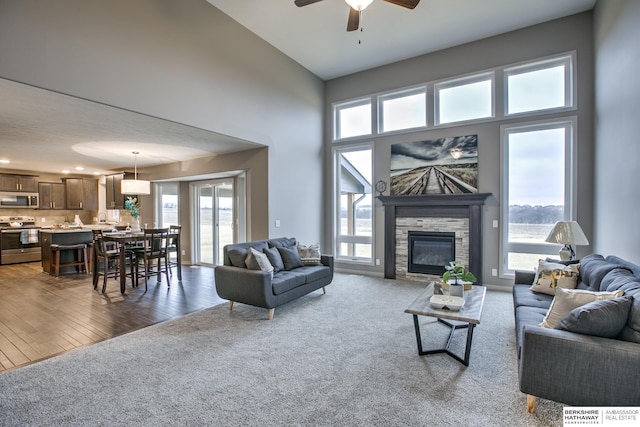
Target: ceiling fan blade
354	20
409	4
301	3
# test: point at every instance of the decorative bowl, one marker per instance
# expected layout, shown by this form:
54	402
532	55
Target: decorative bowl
446	302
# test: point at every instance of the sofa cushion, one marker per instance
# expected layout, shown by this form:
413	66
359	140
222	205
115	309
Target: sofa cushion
568	299
618	278
258	261
238	252
601	318
286	280
274	258
290	258
593	268
309	255
523	296
314	272
282	242
550	276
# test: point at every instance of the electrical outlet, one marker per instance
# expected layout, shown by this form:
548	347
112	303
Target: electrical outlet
183	252
377	261
495	223
44	219
494	272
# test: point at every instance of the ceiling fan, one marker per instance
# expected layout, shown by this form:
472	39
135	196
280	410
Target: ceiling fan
357	6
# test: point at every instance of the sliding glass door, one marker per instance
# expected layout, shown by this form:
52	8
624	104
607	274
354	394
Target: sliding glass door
213	219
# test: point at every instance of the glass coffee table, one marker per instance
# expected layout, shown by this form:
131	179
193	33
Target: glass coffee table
467	317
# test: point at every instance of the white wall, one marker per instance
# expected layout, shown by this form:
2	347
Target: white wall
559	36
188	62
617	61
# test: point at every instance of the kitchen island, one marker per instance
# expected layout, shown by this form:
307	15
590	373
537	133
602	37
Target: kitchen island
62	236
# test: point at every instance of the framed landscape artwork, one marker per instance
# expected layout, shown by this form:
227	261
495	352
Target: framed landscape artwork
437	166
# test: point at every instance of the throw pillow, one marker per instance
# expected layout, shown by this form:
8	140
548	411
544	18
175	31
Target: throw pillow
309	255
568	299
257	260
238	256
601	318
290	258
550	276
274	258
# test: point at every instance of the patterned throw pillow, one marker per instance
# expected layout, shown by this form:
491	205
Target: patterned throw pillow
551	276
568	299
309	255
257	260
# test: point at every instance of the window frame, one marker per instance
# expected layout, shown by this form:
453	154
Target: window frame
338	107
380	99
570	198
337	238
463	81
568	60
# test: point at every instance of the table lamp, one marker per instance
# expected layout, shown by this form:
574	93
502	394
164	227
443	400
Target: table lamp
567	233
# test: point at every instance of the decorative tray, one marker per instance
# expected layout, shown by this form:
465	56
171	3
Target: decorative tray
446	302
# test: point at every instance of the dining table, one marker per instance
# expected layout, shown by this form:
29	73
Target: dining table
122	238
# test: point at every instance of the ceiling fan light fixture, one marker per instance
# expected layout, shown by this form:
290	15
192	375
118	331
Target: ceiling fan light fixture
358	5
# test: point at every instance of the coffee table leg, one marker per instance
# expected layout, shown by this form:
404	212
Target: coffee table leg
467	352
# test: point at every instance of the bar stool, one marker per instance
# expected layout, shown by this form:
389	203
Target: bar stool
80	257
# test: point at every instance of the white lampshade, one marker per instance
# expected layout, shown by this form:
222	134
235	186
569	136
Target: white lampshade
135	187
567	233
358	5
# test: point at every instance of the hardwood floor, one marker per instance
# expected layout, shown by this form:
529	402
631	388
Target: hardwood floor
42	316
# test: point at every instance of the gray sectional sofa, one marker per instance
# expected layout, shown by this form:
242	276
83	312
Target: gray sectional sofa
292	277
581	369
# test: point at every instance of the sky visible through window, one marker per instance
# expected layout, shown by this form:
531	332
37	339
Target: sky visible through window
465	102
536	167
404	112
536	90
355	121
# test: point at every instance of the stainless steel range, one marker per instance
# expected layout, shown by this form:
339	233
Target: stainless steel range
19	240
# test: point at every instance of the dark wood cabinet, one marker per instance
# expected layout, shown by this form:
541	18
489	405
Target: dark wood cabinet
82	193
115	199
21	183
52	195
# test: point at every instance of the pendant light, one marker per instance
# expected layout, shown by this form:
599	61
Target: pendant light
135	186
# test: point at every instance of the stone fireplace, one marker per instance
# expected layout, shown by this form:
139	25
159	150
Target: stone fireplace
453	222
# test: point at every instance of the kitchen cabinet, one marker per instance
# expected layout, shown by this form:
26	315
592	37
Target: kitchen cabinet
82	193
52	195
115	199
22	183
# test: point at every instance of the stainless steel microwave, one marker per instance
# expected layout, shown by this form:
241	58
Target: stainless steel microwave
19	200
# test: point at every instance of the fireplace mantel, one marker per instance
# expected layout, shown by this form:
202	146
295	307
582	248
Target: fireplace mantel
434	205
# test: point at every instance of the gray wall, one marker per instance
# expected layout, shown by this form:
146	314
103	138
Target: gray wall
563	35
188	62
617	105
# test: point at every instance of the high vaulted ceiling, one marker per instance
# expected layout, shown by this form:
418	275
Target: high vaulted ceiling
315	35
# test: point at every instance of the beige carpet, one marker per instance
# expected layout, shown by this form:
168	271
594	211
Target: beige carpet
345	358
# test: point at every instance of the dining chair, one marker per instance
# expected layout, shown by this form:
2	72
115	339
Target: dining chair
106	260
153	256
172	247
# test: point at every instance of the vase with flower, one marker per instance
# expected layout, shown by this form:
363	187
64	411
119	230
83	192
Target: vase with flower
131	205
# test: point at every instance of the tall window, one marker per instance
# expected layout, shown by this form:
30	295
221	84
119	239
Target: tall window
167	204
403	110
352	119
539	85
469	98
354	204
537	189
